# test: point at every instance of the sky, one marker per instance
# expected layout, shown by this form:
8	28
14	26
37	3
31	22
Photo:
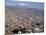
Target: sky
27	3
28	0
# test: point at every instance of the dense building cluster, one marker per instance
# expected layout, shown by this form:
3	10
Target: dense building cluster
24	24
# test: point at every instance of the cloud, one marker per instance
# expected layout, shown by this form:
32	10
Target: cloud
22	4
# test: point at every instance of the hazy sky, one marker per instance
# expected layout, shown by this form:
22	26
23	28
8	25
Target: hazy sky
29	4
28	0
